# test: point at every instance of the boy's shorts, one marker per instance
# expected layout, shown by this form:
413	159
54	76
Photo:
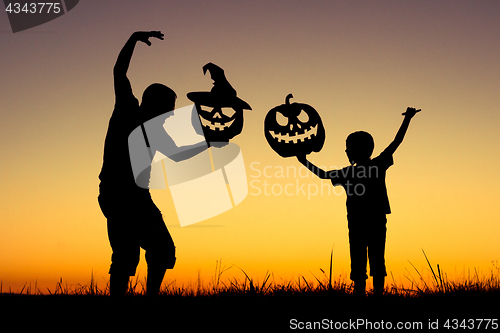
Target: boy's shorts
367	243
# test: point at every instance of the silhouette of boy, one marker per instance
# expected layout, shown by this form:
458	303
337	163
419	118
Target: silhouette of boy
133	220
367	202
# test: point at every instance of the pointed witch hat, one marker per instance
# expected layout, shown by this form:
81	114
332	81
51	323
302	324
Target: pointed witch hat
222	93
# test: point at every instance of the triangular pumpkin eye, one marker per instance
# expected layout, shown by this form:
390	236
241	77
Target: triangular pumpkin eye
303	117
228	112
281	119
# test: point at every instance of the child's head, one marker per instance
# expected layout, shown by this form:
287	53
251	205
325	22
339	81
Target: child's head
359	147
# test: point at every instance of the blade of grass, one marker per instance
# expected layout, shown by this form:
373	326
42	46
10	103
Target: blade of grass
331	269
307	284
321	284
432	270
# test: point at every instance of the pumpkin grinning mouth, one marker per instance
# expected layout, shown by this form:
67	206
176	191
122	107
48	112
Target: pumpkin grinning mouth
287	138
215	125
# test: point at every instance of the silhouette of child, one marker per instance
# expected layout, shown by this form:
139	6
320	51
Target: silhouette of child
367	202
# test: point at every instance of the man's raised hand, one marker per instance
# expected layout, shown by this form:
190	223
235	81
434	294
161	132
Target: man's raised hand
144	36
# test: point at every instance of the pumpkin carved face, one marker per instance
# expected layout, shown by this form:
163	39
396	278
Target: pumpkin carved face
220	123
294	129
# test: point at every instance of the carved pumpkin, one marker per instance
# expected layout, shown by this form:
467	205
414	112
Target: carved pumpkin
294	129
220	110
220	124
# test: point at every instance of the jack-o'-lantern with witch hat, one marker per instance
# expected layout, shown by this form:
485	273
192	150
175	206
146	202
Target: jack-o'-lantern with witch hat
294	129
220	110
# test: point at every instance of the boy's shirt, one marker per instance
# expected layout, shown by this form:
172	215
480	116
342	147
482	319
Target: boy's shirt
365	186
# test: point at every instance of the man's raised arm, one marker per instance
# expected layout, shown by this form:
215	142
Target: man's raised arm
122	84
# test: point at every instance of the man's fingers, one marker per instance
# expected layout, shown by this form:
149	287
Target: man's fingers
157	34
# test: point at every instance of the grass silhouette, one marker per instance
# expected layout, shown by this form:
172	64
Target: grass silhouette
270	303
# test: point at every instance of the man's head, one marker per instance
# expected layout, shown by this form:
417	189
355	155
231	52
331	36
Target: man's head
156	100
359	147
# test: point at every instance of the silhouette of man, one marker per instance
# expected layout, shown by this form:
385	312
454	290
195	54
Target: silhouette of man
367	202
133	220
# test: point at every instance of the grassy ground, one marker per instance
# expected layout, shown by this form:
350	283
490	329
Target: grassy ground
231	311
232	306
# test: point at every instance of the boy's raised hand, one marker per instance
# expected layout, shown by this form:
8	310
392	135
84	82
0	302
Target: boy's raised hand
410	112
144	36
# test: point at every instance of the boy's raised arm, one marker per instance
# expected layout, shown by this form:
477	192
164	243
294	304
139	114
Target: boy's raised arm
410	112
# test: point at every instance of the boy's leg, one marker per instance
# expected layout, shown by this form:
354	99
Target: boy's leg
360	288
378	285
358	252
376	254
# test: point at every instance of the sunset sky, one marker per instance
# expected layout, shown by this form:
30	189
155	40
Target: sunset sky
358	63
